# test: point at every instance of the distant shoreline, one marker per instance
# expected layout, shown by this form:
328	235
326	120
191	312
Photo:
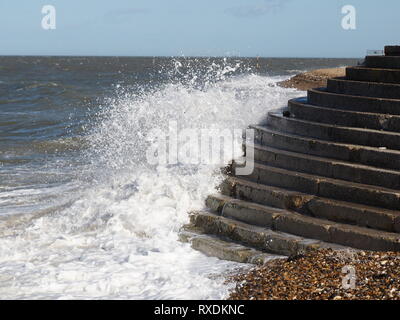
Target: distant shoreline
312	79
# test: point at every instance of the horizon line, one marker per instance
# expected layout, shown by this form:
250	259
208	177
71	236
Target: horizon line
172	56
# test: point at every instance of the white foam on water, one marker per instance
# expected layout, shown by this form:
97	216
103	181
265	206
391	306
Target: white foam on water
119	237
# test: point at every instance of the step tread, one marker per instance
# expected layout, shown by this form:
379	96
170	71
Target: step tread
225	249
352	135
370	83
252	184
323	90
261	238
378	75
312	184
266	187
277	212
393	62
373	69
318	178
326	125
341	101
311	139
364	88
304	218
323	207
361	114
314	228
332	161
324	166
301	101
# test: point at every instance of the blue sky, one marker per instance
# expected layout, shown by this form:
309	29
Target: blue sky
269	28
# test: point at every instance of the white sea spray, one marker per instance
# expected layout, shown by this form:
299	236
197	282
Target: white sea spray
118	235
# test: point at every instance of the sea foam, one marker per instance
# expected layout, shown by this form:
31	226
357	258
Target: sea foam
118	236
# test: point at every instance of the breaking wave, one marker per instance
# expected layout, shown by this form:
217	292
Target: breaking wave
113	231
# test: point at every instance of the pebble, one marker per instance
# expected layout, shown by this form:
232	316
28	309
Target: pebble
319	275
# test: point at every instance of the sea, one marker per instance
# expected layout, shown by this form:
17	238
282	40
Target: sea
82	213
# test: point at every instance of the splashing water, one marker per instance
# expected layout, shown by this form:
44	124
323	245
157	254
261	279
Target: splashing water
117	235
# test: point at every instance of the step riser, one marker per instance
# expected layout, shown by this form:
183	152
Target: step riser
287	222
392	50
278	221
328	149
325	188
248	215
373	75
353	215
344	118
384	62
367	89
281	200
353	103
267	240
337	134
287	243
213	246
209	248
323	208
327	169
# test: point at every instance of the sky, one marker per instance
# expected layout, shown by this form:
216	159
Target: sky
266	28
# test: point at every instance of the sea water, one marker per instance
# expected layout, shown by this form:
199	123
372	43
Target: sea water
82	213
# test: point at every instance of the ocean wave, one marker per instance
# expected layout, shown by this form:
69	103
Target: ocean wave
118	238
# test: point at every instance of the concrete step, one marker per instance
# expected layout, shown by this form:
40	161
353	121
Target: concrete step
360	136
364	88
264	194
260	238
311	205
325	187
348	152
224	249
301	110
323	98
392	50
248	212
306	226
384	62
326	167
373	74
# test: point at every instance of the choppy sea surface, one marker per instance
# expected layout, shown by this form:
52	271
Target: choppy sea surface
82	215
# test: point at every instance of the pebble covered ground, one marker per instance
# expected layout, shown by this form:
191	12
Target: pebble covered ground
323	275
312	79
